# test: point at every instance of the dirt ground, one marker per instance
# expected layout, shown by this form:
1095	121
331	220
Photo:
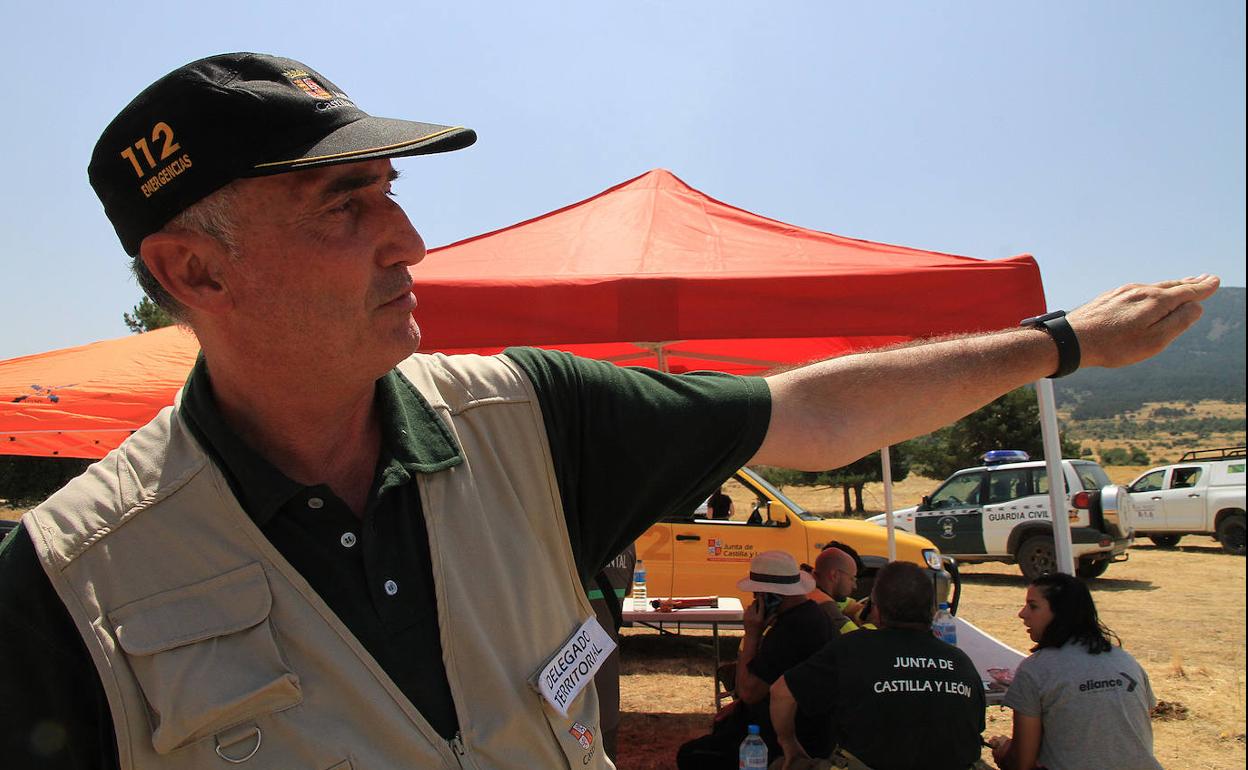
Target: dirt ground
1179	612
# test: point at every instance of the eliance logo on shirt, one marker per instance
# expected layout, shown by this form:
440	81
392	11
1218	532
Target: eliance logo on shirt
1101	684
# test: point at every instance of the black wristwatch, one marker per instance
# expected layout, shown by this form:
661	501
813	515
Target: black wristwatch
1058	327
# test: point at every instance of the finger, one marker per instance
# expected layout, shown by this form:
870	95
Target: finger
1199	283
1169	284
1181	293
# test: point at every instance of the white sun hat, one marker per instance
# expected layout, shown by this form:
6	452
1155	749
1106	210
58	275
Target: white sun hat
776	572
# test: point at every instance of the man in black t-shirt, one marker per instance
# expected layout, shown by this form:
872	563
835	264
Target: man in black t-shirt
719	505
896	699
795	628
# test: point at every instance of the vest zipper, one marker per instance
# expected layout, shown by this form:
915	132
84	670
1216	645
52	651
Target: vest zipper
457	746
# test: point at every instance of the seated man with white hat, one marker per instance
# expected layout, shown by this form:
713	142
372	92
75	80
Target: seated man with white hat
783	627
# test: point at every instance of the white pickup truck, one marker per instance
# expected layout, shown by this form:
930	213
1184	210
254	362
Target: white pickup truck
1202	494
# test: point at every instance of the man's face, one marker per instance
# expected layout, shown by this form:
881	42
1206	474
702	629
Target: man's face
322	274
836	575
846	582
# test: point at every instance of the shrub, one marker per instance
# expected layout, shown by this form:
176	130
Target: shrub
28	481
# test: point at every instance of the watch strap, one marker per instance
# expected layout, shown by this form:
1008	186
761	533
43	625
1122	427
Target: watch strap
1063	336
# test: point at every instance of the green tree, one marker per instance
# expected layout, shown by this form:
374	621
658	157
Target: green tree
147	316
27	481
1114	456
850	478
1010	422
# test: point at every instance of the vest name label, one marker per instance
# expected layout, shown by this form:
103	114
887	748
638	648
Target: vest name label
569	670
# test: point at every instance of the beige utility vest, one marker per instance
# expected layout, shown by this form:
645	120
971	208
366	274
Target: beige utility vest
212	648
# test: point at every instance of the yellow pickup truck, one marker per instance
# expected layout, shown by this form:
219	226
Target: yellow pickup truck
699	556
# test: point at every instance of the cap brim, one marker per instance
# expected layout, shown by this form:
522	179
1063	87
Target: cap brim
804	585
370	138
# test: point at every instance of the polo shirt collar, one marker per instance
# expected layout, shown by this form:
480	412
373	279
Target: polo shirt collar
413	440
411	430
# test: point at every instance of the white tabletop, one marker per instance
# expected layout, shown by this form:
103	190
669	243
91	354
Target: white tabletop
728	611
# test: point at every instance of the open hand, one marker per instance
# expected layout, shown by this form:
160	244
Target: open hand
1133	322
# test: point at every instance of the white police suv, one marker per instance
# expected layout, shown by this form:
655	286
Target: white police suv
999	511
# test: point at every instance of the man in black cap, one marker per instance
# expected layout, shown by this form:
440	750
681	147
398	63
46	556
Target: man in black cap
316	558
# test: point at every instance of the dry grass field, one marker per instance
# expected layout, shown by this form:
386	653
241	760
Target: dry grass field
1171	431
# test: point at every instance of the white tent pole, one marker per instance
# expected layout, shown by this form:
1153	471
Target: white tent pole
1058	498
660	355
886	470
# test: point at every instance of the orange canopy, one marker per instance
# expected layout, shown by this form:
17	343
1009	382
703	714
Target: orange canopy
83	401
651	272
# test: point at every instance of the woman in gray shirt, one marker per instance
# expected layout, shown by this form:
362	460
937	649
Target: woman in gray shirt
1080	701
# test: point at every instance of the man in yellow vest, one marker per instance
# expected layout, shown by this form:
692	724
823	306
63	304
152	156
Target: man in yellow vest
836	575
333	552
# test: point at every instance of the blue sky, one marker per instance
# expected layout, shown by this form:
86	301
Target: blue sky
1106	138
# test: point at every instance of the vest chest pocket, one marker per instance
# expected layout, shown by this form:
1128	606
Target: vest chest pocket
205	657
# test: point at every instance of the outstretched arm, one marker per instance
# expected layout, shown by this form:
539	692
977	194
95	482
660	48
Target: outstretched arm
830	413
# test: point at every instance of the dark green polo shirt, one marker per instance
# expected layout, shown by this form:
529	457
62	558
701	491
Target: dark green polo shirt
629	446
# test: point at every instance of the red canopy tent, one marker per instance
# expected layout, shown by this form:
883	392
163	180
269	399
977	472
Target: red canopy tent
650	272
655	273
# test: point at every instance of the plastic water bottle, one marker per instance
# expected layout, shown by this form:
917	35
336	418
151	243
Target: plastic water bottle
944	627
639	587
753	751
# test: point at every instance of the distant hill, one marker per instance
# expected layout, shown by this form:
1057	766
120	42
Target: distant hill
1206	362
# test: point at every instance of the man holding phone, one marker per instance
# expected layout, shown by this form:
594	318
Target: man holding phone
783	627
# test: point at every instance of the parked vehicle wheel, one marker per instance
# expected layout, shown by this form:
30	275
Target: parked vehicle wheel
1231	534
1089	570
1165	541
1036	557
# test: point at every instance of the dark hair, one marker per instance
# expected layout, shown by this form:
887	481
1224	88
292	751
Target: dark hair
904	594
849	549
1074	615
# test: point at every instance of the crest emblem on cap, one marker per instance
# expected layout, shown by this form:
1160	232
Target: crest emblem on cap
306	83
582	734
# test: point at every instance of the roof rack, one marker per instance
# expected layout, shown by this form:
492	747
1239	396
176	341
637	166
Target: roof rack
1222	453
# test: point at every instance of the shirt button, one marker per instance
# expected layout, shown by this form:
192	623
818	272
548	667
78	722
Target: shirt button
315	503
391	587
347	539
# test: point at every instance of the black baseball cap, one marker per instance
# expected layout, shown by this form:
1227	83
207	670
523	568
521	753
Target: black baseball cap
232	116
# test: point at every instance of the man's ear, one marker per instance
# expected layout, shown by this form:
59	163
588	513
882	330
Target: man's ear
189	266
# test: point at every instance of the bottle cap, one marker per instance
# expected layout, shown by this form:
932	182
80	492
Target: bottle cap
754	730
944	605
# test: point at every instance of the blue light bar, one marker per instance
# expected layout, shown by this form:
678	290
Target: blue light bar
1000	456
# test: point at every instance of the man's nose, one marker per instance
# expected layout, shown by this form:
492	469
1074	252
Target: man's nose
402	244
